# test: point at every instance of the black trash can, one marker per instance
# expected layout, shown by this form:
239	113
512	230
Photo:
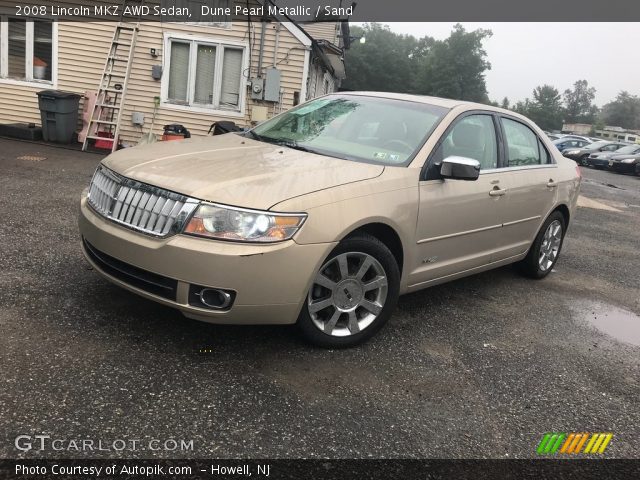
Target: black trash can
59	115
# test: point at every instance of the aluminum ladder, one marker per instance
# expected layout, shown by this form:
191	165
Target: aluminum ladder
112	91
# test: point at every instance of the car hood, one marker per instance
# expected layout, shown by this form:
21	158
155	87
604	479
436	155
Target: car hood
627	156
235	170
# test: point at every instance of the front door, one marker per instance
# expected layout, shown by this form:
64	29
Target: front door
459	220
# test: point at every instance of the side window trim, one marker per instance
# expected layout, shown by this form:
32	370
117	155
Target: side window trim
428	163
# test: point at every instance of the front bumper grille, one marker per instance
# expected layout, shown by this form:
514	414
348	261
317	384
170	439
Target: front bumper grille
137	277
142	207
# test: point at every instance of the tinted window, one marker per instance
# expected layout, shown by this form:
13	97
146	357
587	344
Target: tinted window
523	146
629	149
610	148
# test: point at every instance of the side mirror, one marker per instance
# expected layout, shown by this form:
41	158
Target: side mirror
460	168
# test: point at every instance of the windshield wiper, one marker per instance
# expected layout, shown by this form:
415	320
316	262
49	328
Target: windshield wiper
295	146
255	135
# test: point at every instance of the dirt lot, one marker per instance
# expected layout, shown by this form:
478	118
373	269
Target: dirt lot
481	367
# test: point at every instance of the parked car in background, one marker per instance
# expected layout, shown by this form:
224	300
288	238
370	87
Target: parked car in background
602	159
624	163
325	214
578	137
581	154
565	143
554	136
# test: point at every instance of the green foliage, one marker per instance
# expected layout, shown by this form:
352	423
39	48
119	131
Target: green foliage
546	108
623	112
455	68
579	107
391	62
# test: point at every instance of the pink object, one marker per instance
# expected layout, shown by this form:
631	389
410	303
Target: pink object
88	105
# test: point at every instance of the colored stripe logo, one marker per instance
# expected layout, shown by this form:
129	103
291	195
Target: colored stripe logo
572	443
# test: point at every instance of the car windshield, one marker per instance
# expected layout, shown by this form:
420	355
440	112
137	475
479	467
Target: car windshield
629	149
355	127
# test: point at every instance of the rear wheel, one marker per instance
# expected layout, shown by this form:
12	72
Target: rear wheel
352	295
545	250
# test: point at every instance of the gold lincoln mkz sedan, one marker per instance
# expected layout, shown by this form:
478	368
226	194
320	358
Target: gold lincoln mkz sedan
325	214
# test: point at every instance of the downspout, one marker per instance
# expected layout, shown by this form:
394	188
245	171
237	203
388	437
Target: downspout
275	48
305	75
261	54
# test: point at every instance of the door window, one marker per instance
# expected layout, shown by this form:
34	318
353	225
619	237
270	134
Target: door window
523	146
472	137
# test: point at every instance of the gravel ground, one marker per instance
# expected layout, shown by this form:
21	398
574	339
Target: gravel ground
477	368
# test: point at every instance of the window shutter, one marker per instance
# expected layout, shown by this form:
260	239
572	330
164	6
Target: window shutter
179	72
231	76
205	69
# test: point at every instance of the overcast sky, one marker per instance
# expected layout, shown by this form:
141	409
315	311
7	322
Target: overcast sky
525	55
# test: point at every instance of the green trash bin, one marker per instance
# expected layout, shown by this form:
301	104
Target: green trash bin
59	115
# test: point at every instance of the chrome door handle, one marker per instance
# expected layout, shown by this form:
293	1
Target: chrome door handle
497	192
551	183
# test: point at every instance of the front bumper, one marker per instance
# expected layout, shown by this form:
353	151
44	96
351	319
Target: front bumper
597	162
269	282
621	167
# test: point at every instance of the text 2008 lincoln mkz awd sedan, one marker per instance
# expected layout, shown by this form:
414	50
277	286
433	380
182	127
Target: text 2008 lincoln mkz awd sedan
325	214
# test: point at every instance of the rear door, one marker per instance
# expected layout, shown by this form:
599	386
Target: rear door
531	178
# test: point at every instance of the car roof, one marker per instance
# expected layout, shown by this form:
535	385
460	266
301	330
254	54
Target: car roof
438	101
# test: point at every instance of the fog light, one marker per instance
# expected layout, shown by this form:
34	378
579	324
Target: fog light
211	298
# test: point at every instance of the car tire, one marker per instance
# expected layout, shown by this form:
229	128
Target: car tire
546	247
583	160
352	314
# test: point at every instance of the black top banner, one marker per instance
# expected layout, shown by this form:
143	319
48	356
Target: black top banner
224	11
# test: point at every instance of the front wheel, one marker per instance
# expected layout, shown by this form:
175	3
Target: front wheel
352	295
545	249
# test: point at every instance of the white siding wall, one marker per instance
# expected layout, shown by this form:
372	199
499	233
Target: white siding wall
82	49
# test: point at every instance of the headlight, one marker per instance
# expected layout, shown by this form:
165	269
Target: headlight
571	152
629	160
243	225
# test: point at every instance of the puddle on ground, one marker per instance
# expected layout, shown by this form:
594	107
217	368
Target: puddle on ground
621	324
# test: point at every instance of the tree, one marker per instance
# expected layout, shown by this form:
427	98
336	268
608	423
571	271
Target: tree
546	108
624	111
523	107
505	103
579	107
387	61
454	68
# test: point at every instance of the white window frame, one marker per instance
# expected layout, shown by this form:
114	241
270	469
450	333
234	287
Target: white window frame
28	81
195	40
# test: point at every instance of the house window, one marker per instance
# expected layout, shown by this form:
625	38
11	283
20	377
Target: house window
205	74
26	51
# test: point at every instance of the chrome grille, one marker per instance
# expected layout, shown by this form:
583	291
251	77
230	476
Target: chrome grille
137	205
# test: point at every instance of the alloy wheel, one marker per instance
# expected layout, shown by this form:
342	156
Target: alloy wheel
550	245
348	294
